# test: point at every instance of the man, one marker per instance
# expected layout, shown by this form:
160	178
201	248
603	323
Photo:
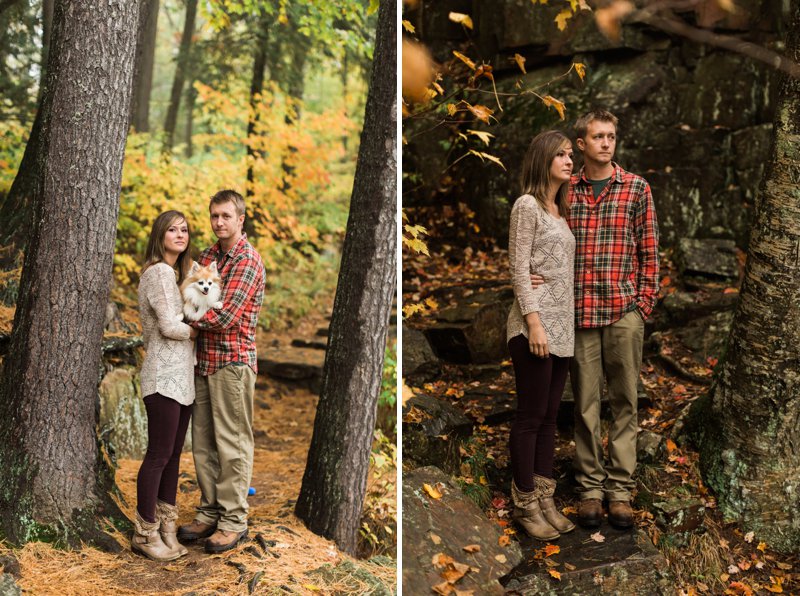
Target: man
616	284
222	421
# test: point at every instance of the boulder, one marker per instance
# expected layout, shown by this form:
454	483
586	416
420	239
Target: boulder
679	514
8	587
122	409
707	336
709	258
445	526
418	357
302	365
433	430
623	563
649	447
474	329
682	308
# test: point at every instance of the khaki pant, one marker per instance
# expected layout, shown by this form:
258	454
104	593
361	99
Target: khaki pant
616	351
222	445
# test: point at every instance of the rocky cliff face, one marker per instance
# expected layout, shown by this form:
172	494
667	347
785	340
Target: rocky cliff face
695	121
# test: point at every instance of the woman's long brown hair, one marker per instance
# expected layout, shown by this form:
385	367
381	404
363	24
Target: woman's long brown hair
535	179
155	245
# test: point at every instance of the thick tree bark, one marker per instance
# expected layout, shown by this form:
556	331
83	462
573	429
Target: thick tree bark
334	482
256	89
748	428
55	478
144	64
180	75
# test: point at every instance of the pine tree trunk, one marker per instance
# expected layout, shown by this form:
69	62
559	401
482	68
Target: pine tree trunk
334	482
748	429
145	62
180	75
55	478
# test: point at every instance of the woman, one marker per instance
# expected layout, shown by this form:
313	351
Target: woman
167	382
540	329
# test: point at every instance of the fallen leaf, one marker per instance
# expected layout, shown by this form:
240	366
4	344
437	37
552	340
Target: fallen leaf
503	540
762	546
733	569
551	549
500	558
472	548
311	587
499	502
554	574
749	537
455	571
436	539
776	587
739	588
443	588
598	537
441	560
569	567
784	566
671	446
461	19
432	491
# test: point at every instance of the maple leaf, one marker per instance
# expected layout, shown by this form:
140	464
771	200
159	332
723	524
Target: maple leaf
739	588
461	18
598	537
554	574
762	546
481	112
464	59
562	18
551	549
432	491
482	135
503	540
580	69
408	26
776	587
520	62
551	101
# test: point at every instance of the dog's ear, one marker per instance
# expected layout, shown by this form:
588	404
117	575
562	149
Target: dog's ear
213	266
195	268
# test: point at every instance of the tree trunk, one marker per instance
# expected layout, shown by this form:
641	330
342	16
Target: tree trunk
256	88
55	476
180	75
344	95
294	101
191	98
748	427
47	33
145	62
334	482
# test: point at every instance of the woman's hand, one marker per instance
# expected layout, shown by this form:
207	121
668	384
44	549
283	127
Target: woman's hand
193	332
537	338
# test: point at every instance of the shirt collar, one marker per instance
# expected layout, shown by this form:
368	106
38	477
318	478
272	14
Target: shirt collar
217	248
617	175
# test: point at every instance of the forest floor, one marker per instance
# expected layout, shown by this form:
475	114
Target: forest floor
714	557
280	557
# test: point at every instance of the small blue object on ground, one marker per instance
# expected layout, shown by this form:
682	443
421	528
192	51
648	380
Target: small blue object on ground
251	491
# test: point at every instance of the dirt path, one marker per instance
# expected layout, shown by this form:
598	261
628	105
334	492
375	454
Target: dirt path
283	423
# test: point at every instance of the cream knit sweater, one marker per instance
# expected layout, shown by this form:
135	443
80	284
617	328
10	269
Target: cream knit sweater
168	366
543	244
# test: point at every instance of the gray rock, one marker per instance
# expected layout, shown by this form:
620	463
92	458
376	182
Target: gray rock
418	356
649	447
447	525
122	408
8	587
680	514
707	336
624	563
474	330
709	258
434	439
295	364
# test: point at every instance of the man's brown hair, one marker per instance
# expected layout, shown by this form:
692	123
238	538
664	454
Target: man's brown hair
225	196
596	114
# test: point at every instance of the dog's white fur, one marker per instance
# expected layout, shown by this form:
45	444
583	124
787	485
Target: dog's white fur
201	291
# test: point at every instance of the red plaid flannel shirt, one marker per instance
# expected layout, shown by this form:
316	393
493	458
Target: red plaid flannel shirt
229	334
616	248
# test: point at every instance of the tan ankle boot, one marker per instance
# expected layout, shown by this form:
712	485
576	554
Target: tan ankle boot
167	515
147	541
547	488
528	514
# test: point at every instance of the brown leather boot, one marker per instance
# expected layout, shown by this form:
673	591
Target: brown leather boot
620	514
547	487
147	541
167	515
590	513
224	540
195	531
528	514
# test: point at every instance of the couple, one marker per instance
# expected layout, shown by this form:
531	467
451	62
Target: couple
583	252
217	393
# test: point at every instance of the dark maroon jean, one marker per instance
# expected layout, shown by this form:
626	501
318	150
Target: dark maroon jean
540	383
167	421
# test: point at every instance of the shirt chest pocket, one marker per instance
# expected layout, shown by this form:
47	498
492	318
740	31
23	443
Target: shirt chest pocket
615	223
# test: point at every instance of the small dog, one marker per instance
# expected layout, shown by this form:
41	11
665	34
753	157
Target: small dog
201	291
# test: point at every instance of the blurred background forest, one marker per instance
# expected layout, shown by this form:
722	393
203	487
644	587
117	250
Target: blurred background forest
263	97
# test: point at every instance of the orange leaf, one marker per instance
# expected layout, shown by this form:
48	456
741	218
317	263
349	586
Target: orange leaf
776	587
461	18
671	446
562	18
762	546
464	59
472	548
551	549
551	101
503	540
432	491
554	574
520	62
441	560
580	68
481	112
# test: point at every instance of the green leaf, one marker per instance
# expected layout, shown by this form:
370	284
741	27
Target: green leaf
373	7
